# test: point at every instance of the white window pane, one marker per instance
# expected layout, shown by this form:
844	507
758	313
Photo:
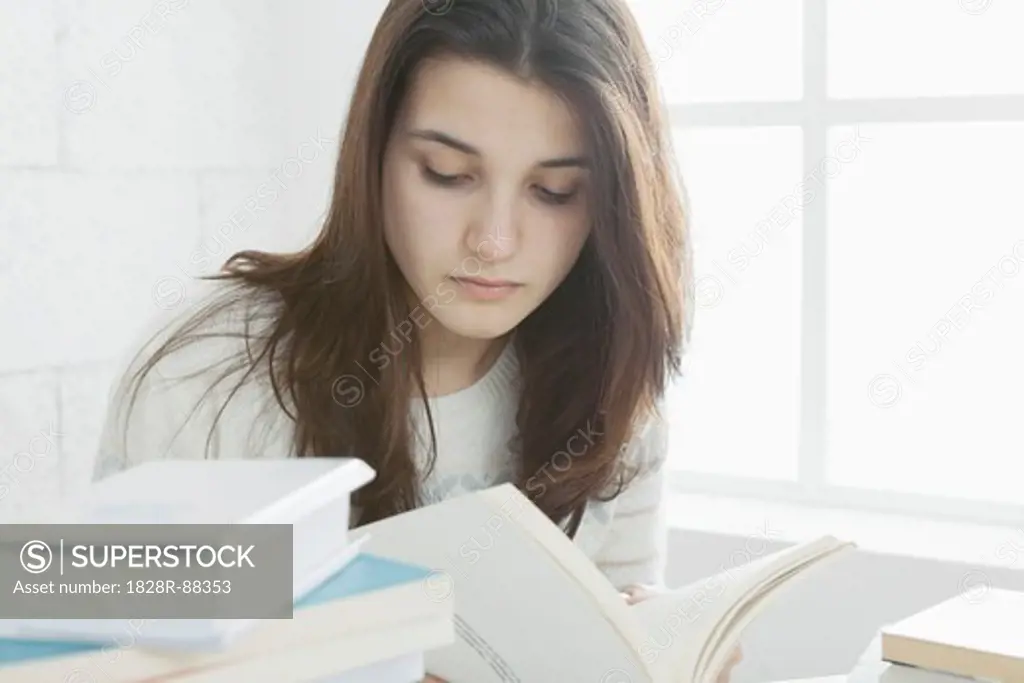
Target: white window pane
736	410
880	48
719	51
926	312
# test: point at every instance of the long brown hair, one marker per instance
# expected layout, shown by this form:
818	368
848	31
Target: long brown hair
595	356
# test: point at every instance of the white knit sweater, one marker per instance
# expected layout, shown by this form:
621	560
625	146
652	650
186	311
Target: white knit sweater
624	537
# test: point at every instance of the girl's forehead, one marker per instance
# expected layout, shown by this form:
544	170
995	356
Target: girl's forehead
491	109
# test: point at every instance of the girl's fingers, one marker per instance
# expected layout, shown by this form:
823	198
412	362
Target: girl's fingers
734	659
634	593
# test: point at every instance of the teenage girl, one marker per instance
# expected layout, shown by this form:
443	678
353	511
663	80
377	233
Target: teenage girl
500	290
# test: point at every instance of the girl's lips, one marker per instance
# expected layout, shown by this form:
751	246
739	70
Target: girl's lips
484	282
486	290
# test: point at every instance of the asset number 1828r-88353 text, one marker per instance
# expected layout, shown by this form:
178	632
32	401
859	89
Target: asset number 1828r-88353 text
201	586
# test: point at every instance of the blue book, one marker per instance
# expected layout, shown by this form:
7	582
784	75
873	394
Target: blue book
370	597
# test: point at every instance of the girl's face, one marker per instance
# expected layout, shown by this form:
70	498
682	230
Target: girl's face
485	196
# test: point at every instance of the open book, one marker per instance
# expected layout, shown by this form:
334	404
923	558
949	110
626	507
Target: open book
530	606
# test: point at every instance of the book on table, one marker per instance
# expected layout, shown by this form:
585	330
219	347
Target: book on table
527	604
371	621
978	634
530	606
902	673
313	495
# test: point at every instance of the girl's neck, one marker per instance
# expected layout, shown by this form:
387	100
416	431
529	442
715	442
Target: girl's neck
452	362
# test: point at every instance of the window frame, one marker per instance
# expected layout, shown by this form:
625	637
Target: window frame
815	113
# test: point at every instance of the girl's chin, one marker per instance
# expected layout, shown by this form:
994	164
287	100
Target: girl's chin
468	320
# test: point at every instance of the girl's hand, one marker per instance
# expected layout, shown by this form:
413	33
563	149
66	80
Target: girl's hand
634	594
734	659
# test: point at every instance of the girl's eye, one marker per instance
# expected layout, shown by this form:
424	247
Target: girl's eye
556	198
546	195
440	178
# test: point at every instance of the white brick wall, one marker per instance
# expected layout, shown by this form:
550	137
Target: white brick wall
141	143
30	463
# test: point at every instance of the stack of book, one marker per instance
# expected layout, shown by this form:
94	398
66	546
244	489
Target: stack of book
357	617
530	604
970	637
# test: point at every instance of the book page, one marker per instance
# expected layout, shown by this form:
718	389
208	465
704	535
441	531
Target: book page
529	606
691	631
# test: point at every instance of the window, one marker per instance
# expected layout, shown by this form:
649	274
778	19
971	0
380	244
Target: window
854	174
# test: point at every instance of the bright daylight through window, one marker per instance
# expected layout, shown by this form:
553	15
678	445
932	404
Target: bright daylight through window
859	249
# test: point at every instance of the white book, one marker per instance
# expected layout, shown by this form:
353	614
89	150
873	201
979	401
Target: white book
980	637
380	655
376	610
311	494
898	673
530	606
250	491
330	660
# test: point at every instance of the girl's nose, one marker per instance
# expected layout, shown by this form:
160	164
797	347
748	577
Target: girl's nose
494	237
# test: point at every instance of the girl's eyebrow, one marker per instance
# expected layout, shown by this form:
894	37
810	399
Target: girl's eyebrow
466	148
445	139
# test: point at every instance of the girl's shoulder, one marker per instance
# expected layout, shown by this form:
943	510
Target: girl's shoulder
194	384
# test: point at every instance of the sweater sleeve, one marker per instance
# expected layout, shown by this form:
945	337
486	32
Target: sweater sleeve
177	411
635	547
